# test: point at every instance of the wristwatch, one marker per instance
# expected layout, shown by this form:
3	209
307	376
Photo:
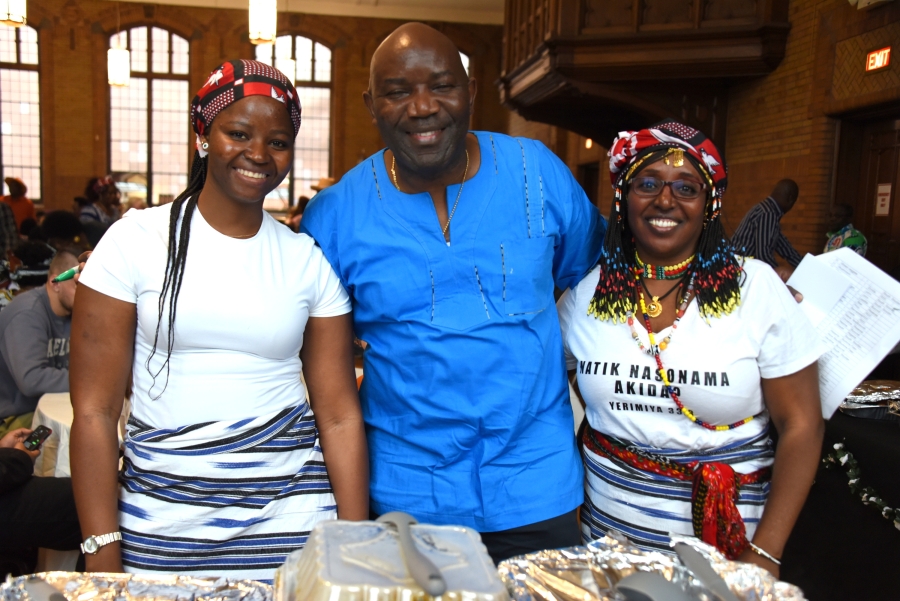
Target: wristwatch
92	543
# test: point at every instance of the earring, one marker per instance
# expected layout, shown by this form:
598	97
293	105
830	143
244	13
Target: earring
205	146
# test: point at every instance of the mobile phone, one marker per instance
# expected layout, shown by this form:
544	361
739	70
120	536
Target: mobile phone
37	438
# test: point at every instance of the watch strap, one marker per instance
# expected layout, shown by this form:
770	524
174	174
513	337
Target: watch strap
92	544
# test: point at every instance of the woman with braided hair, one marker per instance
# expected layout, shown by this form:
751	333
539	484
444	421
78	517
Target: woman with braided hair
224	471
685	354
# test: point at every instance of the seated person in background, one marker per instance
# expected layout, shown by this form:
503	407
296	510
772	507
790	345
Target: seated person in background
104	199
841	232
25	267
21	205
679	419
34	345
28	226
9	233
296	213
135	203
62	229
34	512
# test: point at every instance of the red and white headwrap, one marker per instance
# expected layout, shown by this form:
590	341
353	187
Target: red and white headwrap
630	146
102	184
233	80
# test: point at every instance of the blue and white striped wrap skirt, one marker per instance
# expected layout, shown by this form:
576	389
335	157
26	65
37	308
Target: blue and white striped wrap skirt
222	498
647	507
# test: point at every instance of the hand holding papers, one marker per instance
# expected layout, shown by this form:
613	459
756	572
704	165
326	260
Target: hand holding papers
856	308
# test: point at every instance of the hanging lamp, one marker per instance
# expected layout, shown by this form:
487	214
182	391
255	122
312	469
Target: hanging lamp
118	58
263	21
12	12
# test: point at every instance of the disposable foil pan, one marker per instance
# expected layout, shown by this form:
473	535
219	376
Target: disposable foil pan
873	392
99	586
361	561
591	573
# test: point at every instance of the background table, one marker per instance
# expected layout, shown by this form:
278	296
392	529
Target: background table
54	411
841	549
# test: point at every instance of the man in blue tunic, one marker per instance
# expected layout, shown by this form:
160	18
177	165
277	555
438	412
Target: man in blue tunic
449	243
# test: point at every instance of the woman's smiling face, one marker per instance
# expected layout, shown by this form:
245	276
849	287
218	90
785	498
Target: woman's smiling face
666	228
251	148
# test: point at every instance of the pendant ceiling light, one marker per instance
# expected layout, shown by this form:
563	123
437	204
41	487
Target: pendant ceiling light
12	12
263	21
118	59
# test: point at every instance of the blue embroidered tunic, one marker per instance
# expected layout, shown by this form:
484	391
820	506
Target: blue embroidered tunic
465	395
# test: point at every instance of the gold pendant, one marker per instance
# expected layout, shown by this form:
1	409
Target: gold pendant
654	307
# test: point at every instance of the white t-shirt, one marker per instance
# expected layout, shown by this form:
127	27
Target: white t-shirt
241	313
715	367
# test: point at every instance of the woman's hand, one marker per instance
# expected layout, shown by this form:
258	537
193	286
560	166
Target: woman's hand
107	559
749	556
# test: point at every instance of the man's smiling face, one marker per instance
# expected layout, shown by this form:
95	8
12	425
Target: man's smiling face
420	99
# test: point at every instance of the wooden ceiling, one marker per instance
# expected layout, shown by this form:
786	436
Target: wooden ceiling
488	12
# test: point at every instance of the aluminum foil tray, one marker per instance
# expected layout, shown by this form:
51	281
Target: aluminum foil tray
591	573
98	586
361	561
874	392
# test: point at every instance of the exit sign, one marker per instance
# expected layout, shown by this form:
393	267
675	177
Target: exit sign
878	59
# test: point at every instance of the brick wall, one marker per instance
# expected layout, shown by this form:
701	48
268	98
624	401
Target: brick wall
74	36
771	135
784	125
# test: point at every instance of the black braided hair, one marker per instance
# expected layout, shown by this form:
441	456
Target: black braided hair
176	260
717	270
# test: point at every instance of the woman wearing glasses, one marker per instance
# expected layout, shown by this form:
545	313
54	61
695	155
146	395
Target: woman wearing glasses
685	354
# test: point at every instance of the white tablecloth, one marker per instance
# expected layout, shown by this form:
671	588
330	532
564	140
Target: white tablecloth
54	411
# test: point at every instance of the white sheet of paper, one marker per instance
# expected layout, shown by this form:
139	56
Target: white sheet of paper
859	330
821	286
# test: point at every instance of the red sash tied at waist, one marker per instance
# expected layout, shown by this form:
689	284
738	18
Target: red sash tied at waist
714	511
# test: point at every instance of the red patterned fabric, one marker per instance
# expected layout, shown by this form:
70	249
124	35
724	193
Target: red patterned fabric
102	184
715	516
237	79
628	145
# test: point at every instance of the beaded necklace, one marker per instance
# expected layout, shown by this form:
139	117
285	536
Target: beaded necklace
655	350
679	313
663	272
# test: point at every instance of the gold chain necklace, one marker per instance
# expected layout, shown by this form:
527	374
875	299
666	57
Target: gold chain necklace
458	194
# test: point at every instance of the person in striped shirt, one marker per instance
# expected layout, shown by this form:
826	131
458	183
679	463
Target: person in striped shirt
759	234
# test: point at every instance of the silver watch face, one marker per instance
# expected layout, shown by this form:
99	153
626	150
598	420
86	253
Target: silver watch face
90	545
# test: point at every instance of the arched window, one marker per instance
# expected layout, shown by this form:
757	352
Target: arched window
312	149
148	119
465	61
20	120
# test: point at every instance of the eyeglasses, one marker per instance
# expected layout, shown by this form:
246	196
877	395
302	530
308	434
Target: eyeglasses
651	187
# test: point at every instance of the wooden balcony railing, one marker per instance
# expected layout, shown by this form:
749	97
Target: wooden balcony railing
598	66
529	24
